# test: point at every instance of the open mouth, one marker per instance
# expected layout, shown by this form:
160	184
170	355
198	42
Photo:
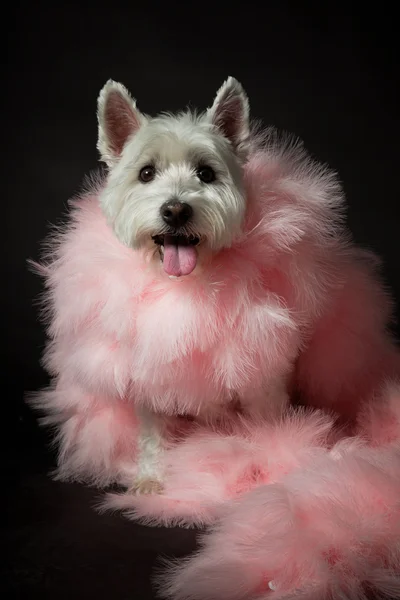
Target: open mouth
178	253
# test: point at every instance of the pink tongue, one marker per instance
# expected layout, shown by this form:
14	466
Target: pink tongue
178	259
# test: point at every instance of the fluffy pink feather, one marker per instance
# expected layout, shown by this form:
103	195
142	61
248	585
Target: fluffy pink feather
292	289
329	530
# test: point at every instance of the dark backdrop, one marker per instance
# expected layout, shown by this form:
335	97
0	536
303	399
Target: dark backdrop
326	74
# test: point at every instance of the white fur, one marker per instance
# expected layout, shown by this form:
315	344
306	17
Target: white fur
176	145
149	476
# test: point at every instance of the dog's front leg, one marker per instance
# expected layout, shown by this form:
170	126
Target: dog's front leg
149	477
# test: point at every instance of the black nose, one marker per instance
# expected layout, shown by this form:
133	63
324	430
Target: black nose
176	214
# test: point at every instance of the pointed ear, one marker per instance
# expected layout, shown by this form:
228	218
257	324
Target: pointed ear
230	112
118	120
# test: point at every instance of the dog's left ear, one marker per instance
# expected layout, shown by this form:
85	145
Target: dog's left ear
230	113
118	120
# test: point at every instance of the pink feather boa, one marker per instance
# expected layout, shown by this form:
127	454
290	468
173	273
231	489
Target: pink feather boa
297	509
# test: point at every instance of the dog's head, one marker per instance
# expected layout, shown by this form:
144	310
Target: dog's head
175	181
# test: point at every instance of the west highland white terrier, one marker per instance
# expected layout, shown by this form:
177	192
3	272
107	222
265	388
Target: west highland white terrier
208	274
175	190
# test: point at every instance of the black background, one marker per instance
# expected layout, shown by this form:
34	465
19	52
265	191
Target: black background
324	73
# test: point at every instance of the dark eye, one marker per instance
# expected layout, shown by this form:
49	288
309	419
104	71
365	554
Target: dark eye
206	174
147	174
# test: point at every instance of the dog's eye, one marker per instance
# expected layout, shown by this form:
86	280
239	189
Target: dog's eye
147	174
206	174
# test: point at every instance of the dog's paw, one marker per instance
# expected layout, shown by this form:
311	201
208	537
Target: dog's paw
146	485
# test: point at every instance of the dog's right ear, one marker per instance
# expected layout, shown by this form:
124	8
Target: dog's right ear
118	120
230	113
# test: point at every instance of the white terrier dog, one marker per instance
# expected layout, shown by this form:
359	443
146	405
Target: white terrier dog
175	189
174	180
209	273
